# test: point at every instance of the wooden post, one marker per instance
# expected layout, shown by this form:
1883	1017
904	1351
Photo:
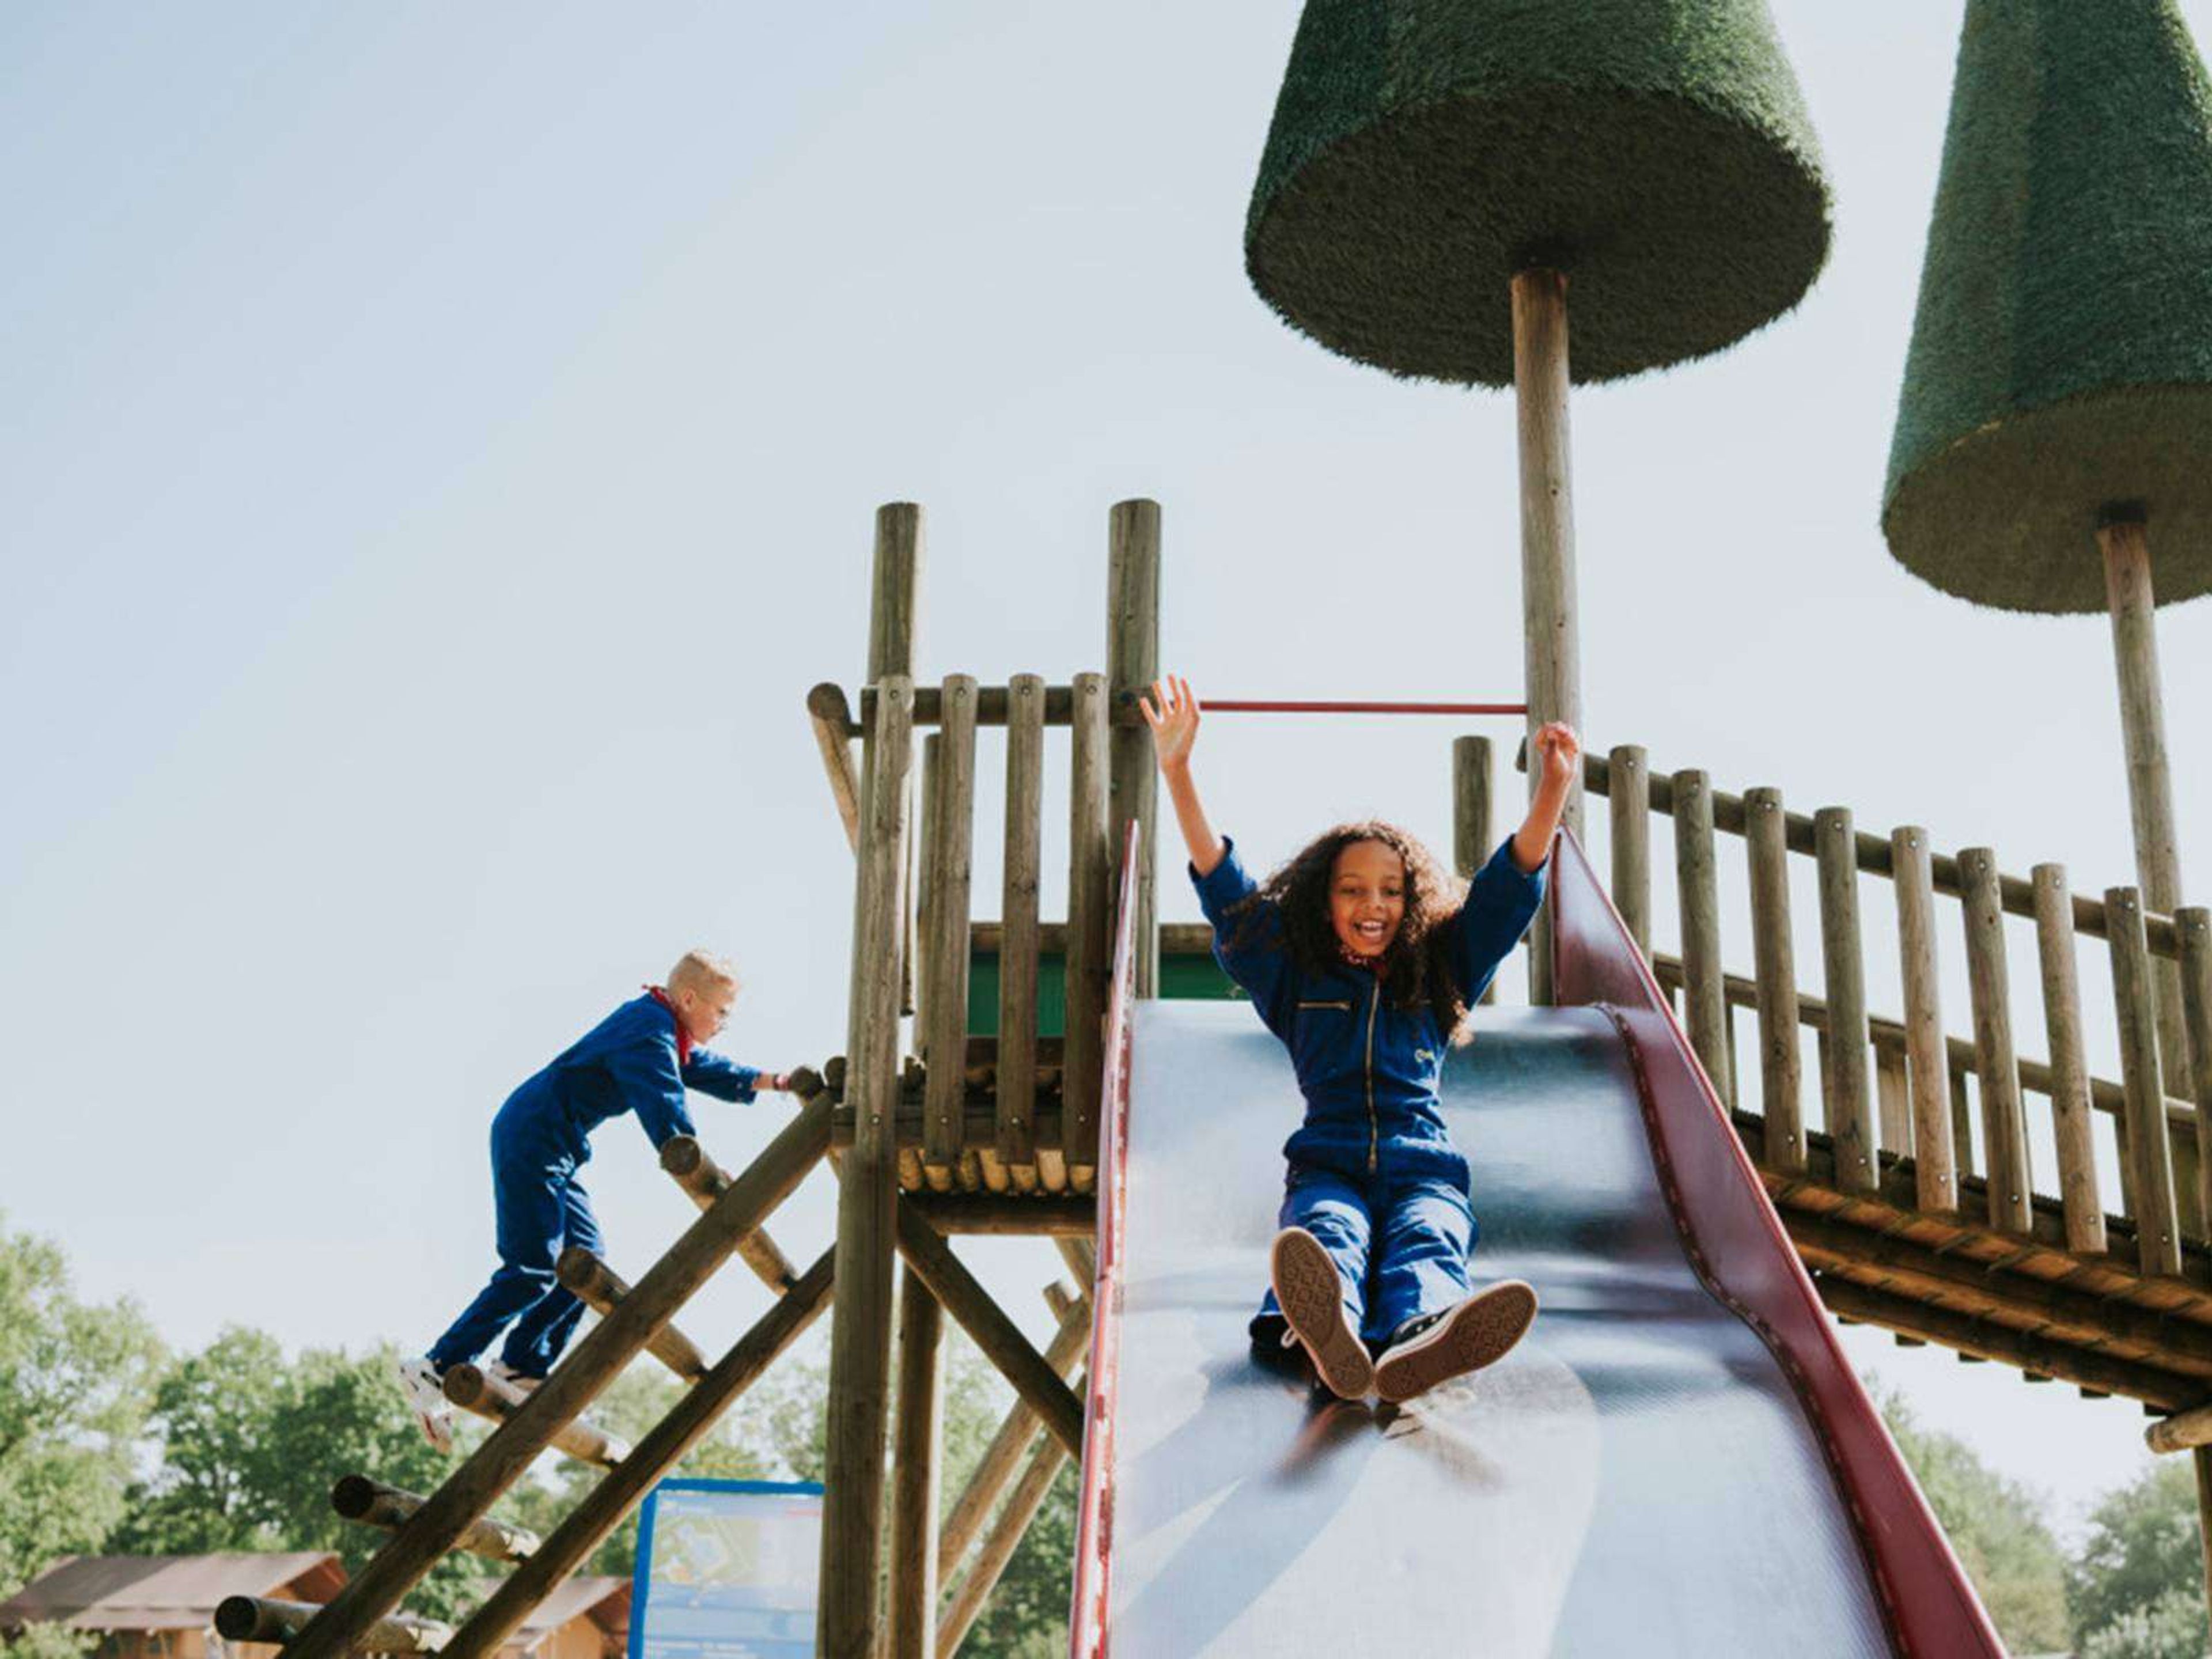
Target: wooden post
2124	537
2158	1234
1927	1065
1962	1113
861	1333
986	1323
830	715
2070	1119
1133	663
922	869
1628	796
1551	653
1006	1536
477	1392
601	1509
945	949
1996	1066
1018	940
600	1288
1003	1457
1089	934
372	1503
2194	924
265	1619
704	1180
602	1352
1471	826
915	1473
1892	1094
1766	843
894	623
1850	1113
1704	993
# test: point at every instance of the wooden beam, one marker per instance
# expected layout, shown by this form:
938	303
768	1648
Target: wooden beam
601	1509
2083	1204
2158	1227
1978	1339
265	1619
948	861
2182	1431
372	1503
1014	1137
600	1288
831	720
1090	930
1774	962
1005	1537
704	1180
986	1323
1133	663
477	1392
1035	1216
1996	1066
1003	1457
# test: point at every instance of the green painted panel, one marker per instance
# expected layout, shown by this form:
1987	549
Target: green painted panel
1181	978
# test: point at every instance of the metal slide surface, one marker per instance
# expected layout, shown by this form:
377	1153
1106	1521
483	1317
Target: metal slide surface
1640	1476
1636	1478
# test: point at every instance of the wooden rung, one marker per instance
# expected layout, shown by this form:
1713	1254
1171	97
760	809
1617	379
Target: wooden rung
704	1180
475	1390
261	1618
373	1504
2182	1431
598	1287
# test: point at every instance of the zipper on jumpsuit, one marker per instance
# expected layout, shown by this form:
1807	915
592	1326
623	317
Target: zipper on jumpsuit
1374	1132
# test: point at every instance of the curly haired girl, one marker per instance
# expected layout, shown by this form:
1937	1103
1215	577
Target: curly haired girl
1361	954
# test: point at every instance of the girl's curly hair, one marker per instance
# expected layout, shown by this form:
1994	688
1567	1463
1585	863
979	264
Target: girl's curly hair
1415	969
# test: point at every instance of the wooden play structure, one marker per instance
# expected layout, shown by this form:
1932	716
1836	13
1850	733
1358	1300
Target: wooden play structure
985	1066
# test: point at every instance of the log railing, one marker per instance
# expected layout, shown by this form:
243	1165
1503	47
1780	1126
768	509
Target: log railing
1904	1089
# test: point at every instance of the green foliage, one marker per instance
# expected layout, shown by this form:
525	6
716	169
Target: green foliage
1997	1527
74	1386
2139	1580
49	1642
2062	353
1658	150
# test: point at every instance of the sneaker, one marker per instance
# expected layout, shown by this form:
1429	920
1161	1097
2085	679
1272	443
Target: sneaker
500	1371
422	1386
1311	1293
1433	1349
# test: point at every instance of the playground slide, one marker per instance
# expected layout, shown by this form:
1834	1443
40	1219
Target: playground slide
1677	1460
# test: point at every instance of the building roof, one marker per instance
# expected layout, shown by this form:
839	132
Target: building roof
604	1601
163	1592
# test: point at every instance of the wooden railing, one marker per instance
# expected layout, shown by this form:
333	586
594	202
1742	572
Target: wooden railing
1900	1086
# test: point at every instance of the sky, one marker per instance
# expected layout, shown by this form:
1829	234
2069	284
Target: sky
440	448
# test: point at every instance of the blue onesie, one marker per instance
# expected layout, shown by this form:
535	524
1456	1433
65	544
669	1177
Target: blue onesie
630	1062
1373	1173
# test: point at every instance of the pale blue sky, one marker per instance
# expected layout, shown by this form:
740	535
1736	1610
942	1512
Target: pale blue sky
440	448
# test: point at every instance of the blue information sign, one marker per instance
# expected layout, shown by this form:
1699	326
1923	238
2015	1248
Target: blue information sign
727	1569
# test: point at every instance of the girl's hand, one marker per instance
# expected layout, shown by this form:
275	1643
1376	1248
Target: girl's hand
1174	720
1560	752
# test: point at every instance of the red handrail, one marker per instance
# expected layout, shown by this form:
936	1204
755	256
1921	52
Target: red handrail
1249	706
1094	1540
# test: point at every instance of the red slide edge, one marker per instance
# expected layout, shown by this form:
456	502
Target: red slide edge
1737	1246
1094	1538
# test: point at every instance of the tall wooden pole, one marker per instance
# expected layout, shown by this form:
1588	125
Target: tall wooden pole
915	1473
1551	657
2124	538
860	1329
1133	663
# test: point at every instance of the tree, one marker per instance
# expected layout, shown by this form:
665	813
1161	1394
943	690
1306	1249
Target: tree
1996	1526
2136	1589
74	1385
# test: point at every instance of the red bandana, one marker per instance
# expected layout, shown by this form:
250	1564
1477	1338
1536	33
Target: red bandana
683	1037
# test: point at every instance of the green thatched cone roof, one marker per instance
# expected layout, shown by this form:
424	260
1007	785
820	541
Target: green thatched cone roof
2062	359
1423	150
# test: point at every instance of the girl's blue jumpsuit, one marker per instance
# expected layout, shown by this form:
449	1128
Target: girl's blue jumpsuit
1373	1173
628	1062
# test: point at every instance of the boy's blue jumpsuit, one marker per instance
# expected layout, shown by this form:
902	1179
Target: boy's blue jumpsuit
632	1061
1373	1173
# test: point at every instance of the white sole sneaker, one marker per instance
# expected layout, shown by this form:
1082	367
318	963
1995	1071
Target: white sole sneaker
1480	1331
1311	1293
422	1387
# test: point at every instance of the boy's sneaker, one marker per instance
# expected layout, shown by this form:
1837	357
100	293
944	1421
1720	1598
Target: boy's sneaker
1437	1348
1311	1293
423	1386
500	1371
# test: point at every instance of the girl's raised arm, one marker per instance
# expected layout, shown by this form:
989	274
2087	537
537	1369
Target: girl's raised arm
1174	720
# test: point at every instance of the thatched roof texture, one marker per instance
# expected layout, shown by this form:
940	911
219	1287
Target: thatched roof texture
2062	357
1657	151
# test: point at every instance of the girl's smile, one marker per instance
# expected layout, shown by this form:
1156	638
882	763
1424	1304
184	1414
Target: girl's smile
1367	897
